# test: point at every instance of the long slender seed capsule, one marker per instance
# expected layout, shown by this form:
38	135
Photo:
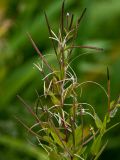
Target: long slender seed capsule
87	47
31	131
71	22
83	13
29	109
62	18
108	86
76	29
49	29
78	23
67	21
26	127
38	51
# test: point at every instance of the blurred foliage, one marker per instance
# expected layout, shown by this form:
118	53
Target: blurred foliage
100	27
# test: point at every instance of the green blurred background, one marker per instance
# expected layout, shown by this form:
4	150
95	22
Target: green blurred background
100	27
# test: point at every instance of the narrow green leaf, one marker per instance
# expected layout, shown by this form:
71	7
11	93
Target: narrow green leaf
96	145
56	138
54	156
98	122
112	126
100	152
106	119
54	99
56	131
78	134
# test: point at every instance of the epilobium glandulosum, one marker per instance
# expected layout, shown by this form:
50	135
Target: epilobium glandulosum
60	113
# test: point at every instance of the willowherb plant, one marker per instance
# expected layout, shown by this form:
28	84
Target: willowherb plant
60	114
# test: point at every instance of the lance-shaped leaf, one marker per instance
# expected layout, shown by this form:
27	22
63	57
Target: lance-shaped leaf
54	155
73	131
52	125
55	137
54	99
98	122
101	150
112	127
96	145
78	135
